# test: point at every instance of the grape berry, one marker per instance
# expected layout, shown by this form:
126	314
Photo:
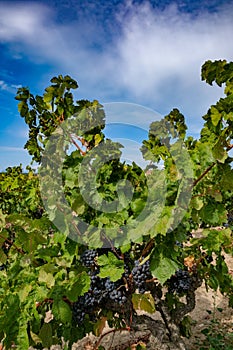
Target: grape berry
88	258
140	274
180	283
101	291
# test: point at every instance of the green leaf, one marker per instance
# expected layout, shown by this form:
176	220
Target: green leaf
213	282
110	266
55	80
3	258
219	152
61	311
214	239
22	337
2	219
78	205
24	292
163	268
216	116
78	285
226	178
138	205
165	220
213	213
46	335
22	108
47	99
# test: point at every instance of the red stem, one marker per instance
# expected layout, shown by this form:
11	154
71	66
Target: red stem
203	174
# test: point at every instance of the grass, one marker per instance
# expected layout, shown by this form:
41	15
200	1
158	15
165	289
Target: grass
217	336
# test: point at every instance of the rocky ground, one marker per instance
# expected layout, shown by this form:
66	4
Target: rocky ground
211	312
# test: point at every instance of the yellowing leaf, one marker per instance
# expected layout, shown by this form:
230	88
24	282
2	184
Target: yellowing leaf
35	338
143	302
196	203
99	326
46	278
189	261
98	139
23	293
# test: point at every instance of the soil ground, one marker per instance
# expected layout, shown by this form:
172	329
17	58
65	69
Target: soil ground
202	318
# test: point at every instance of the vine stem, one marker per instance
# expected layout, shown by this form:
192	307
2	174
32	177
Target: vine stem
12	244
148	247
109	332
77	146
50	301
120	257
203	174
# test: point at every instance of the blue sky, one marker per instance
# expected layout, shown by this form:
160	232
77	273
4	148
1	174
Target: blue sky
138	52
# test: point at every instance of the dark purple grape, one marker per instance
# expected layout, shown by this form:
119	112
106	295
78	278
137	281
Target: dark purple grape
140	274
101	292
88	258
180	283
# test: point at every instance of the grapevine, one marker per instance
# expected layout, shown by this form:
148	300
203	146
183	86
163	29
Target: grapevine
61	284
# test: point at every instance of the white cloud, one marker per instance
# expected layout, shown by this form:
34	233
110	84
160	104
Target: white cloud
162	52
18	131
154	61
12	88
20	20
3	85
12	149
130	114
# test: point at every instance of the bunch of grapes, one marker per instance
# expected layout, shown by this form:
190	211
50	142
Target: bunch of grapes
88	258
140	274
84	305
180	283
127	265
115	292
105	293
102	290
